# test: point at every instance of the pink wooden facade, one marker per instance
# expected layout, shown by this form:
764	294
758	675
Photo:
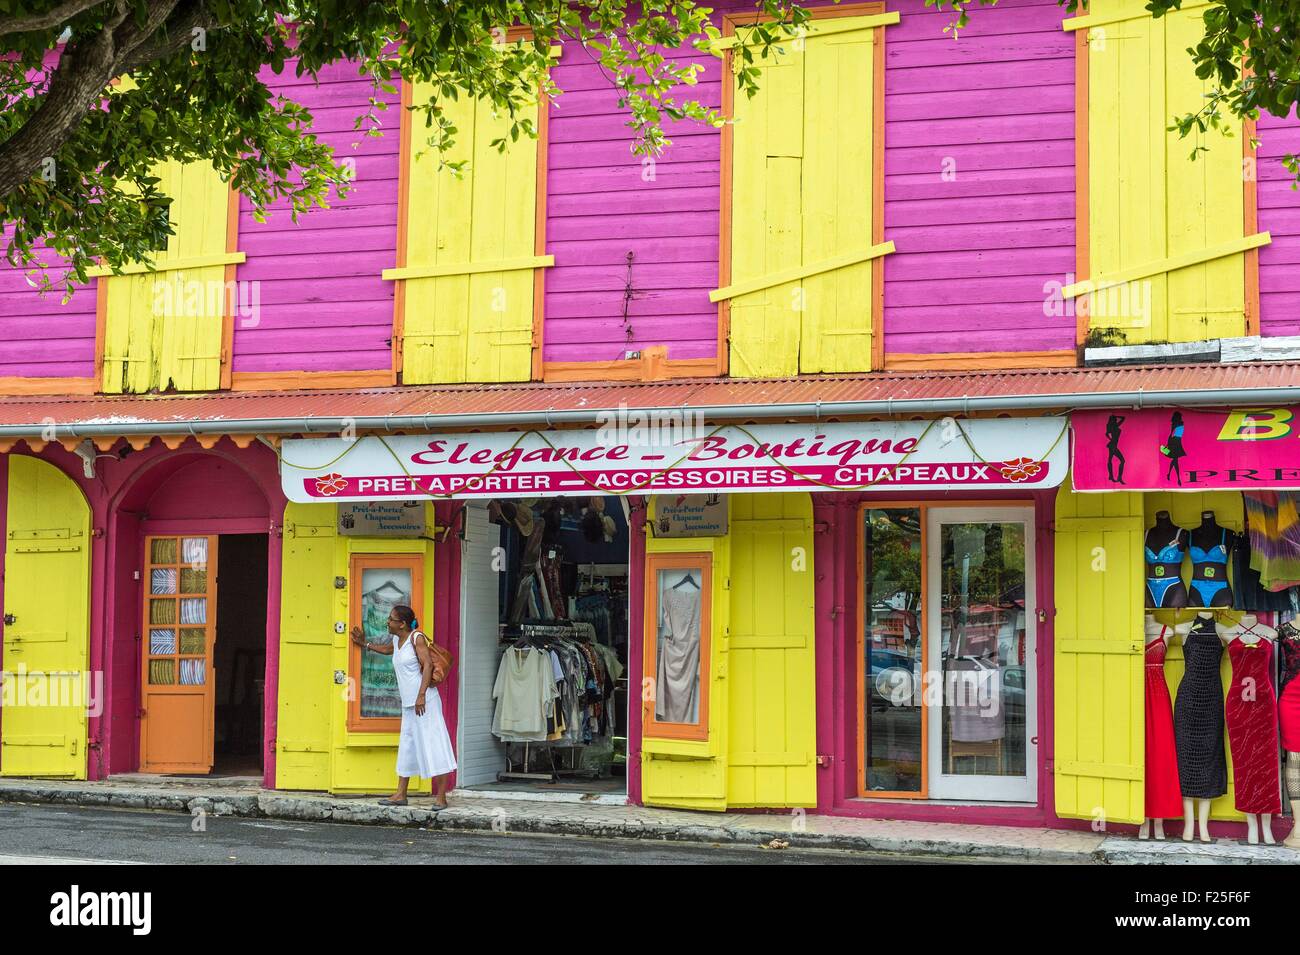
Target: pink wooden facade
979	199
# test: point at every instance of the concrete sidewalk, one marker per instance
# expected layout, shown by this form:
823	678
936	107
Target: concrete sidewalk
794	829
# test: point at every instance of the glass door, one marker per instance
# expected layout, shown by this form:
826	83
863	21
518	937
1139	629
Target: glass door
981	660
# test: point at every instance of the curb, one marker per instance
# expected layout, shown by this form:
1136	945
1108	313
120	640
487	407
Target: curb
275	805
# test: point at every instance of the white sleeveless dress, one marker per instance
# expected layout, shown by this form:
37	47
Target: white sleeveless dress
424	749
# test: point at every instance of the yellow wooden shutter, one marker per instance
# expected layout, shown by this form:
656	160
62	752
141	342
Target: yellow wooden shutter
682	773
307	690
470	252
1099	758
1165	231
47	592
164	330
802	196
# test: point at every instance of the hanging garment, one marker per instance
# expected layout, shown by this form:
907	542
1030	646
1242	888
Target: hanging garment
1251	714
424	745
525	693
677	684
1274	526
550	575
1198	716
1164	571
1210	574
1164	799
1288	694
1250	591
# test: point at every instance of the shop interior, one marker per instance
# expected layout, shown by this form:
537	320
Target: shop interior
544	653
239	655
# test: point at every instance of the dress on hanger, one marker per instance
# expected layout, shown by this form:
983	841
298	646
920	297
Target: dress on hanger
1164	800
1198	716
1210	575
1251	714
1288	695
1164	569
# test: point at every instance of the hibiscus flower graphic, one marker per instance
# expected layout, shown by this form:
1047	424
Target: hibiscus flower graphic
330	484
1020	469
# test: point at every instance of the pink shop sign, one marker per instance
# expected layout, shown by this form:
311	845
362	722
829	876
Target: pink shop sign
883	455
1181	449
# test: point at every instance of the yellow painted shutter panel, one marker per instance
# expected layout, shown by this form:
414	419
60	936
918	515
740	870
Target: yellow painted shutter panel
474	327
802	194
307	689
1148	199
1099	758
47	590
772	737
163	330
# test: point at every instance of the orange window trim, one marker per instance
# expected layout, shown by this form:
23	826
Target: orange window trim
47	386
403	210
729	23
652	366
703	562
976	361
309	380
1250	187
228	316
359	562
1081	236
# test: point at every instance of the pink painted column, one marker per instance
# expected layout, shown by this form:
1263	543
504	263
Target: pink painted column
271	688
635	633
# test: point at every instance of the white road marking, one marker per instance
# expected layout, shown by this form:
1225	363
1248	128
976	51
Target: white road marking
60	860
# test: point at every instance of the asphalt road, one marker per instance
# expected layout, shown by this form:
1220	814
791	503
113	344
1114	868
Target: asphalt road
37	833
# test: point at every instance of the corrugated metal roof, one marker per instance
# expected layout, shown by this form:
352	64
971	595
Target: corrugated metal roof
452	401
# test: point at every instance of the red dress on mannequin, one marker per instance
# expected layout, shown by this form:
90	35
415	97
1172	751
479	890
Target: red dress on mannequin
1164	800
1251	714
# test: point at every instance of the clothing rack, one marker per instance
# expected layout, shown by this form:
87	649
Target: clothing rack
539	634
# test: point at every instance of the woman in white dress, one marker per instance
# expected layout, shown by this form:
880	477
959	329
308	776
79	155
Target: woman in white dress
424	748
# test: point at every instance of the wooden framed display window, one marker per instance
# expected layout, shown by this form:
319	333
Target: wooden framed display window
377	583
675	695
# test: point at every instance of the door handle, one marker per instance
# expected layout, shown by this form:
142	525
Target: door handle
10	620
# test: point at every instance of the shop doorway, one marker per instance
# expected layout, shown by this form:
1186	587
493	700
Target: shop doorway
203	655
949	696
544	586
239	658
980	614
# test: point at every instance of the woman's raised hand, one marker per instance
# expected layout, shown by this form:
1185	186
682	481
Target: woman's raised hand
358	637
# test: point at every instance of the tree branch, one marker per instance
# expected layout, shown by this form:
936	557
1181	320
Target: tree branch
85	69
46	20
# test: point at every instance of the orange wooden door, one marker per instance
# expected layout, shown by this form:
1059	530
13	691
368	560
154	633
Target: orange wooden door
180	626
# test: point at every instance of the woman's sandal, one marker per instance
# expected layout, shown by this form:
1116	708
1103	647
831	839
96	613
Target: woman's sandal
392	802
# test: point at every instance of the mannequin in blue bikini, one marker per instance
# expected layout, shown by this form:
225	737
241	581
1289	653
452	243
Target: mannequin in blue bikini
1211	545
1166	543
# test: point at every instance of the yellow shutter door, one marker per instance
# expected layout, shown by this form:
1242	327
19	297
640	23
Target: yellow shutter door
307	636
1149	201
1099	758
802	196
471	321
46	594
692	774
772	737
163	330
